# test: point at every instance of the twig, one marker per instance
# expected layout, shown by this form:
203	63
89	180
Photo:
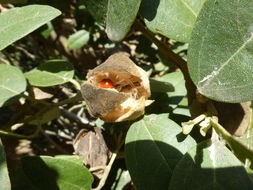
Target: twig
36	101
109	166
76	98
75	84
76	107
8	133
97	168
28	54
59	148
8	57
74	117
4	61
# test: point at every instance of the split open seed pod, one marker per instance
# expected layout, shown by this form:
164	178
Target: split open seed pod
117	90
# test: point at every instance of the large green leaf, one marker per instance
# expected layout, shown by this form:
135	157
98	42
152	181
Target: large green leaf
220	54
153	147
120	17
60	172
18	22
4	177
51	73
209	166
12	83
171	18
98	9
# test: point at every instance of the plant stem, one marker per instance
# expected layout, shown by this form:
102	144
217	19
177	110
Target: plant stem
8	133
75	84
176	59
76	98
240	150
35	100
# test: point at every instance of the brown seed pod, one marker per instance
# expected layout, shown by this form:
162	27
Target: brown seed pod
116	90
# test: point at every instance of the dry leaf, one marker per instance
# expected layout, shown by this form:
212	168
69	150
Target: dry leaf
92	147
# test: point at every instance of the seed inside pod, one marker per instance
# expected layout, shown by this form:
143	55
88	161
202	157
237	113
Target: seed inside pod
117	90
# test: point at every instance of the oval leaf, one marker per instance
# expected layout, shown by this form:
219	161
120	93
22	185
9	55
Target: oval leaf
60	172
4	177
209	166
97	9
12	83
51	73
120	17
79	39
153	147
160	86
166	102
173	19
29	18
220	54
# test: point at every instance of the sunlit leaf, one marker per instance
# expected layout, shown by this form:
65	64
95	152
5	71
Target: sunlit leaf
120	16
12	83
174	19
18	22
51	73
220	54
78	39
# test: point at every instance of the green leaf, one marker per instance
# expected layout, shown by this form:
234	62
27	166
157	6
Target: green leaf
122	179
120	17
97	9
43	116
4	176
18	22
173	19
50	73
209	166
60	172
78	39
160	86
177	80
153	147
12	83
220	54
166	102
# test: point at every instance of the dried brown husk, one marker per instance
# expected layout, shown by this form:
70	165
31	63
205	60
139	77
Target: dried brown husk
127	100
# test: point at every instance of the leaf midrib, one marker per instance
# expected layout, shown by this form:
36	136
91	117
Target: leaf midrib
55	75
10	90
157	147
225	63
188	7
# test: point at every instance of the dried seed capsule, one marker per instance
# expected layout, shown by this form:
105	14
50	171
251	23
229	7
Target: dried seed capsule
116	90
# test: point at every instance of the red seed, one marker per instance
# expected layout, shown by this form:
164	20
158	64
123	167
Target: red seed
106	83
